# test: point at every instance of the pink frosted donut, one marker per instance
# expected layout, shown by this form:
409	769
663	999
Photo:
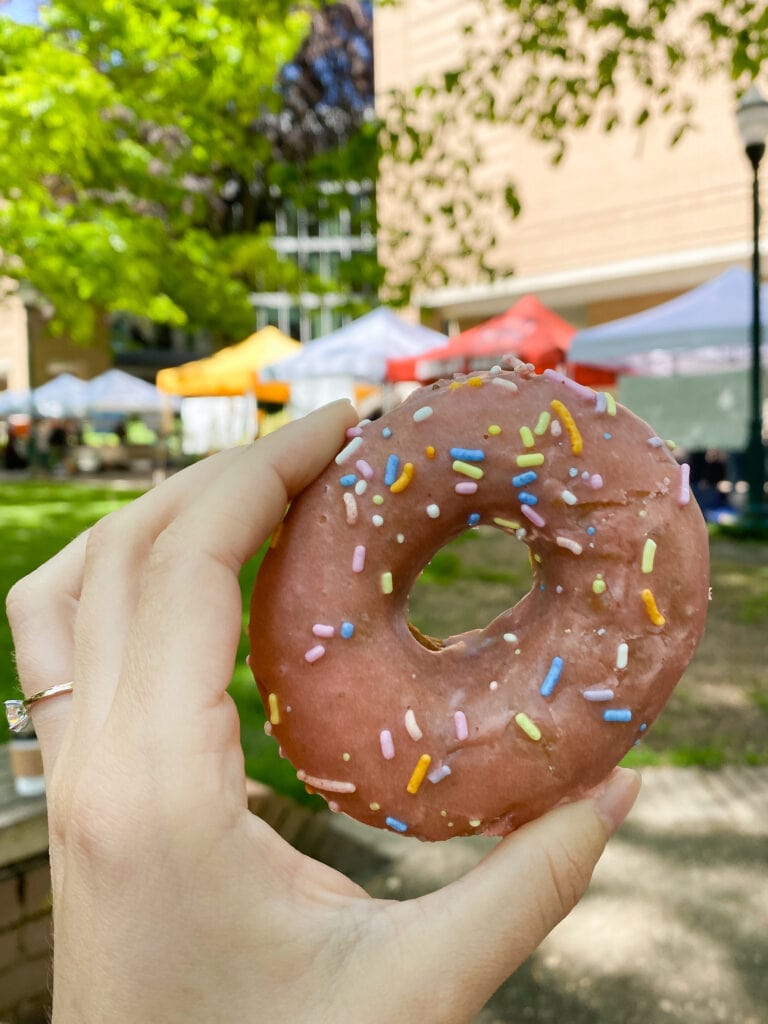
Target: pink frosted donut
484	731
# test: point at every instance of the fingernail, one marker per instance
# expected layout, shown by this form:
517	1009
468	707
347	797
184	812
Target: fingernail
614	798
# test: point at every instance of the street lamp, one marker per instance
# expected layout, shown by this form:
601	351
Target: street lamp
752	119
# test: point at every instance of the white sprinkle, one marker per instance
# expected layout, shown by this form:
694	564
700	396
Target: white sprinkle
460	724
600	402
495	369
358	558
329	785
555	429
268	728
361	487
685	490
622	655
387	745
568	497
511	638
401	538
411	726
558	589
655	442
599	694
433	511
439	774
351	505
377	520
493	685
348	451
521	534
504	383
422	414
571	545
314	653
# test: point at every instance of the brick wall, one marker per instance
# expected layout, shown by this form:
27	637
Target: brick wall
25	929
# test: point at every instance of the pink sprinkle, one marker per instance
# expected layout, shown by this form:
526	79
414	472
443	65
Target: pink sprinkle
466	487
319	629
601	402
351	506
354	432
460	722
439	774
572	385
364	469
685	491
314	653
534	516
596	481
358	558
387	746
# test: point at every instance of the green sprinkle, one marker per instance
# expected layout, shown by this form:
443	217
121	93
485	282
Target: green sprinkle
467	470
648	555
542	424
386	583
528	727
534	459
598	586
526	436
377	499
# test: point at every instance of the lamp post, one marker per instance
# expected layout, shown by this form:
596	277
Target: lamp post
752	119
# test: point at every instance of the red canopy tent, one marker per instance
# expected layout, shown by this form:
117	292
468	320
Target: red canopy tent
528	330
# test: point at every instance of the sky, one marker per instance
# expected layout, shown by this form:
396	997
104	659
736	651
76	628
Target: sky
19	10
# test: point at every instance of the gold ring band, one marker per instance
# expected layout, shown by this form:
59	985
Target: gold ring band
17	711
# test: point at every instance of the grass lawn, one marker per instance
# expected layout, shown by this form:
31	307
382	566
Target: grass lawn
717	716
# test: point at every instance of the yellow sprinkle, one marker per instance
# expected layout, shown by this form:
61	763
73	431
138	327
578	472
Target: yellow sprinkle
430	451
528	727
377	499
494	429
537	558
475	822
577	445
455	384
650	606
509	524
345	756
527	437
274	710
375	807
671	445
275	539
419	773
648	554
467	469
386	583
542	424
475	382
610	403
534	459
598	586
403	480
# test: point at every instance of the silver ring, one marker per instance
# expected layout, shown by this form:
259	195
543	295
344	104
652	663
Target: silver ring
17	711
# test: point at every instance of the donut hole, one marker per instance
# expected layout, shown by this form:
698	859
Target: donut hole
468	582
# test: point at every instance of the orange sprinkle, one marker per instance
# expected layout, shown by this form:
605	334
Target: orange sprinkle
430	451
577	445
650	606
419	773
275	538
403	480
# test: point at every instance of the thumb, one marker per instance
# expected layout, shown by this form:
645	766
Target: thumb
492	919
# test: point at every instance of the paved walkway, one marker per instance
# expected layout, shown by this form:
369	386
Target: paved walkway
674	929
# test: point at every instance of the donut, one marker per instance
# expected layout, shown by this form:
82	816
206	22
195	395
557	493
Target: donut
481	732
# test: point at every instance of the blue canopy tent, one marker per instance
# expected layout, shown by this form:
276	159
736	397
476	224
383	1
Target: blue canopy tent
118	392
62	396
702	331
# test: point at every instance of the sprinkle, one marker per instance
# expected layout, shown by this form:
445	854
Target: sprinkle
455	385
267	728
600	402
571	545
526	436
361	487
528	727
524	478
655	442
411	726
617	715
493	685
274	540
460	725
398	826
466	487
403	480
610	402
650	606
314	653
573	472
386	583
274	709
572	430
598	694
422	414
607	436
390	473
511	638
494	429
495	369
351	506
531	459
475	382
555	429
551	678
506	524
568	497
400	538
439	774
598	585
386	432
377	499
346	757
572	385
468	454
670	444
358	558
534	516
504	383
684	495
347	630
542	423
467	470
374	806
527	499
320	629
349	450
591	531
377	520
430	451
649	551
622	655
433	511
475	822
329	785
347	480
419	773
474	519
596	481
364	469
387	746
354	431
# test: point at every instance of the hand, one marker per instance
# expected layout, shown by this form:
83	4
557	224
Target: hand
172	903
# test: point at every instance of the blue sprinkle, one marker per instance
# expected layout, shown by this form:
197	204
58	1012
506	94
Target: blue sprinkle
551	678
573	471
524	478
591	531
643	727
468	454
347	629
386	432
398	826
527	499
474	519
607	436
617	715
542	586
390	473
348	480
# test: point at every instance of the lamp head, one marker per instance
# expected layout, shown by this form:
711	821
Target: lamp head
752	119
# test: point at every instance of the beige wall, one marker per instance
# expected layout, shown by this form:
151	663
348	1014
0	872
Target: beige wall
14	372
623	215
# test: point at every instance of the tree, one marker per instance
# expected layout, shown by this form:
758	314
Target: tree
551	67
136	174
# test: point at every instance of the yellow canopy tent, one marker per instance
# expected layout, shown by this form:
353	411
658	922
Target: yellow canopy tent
231	371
